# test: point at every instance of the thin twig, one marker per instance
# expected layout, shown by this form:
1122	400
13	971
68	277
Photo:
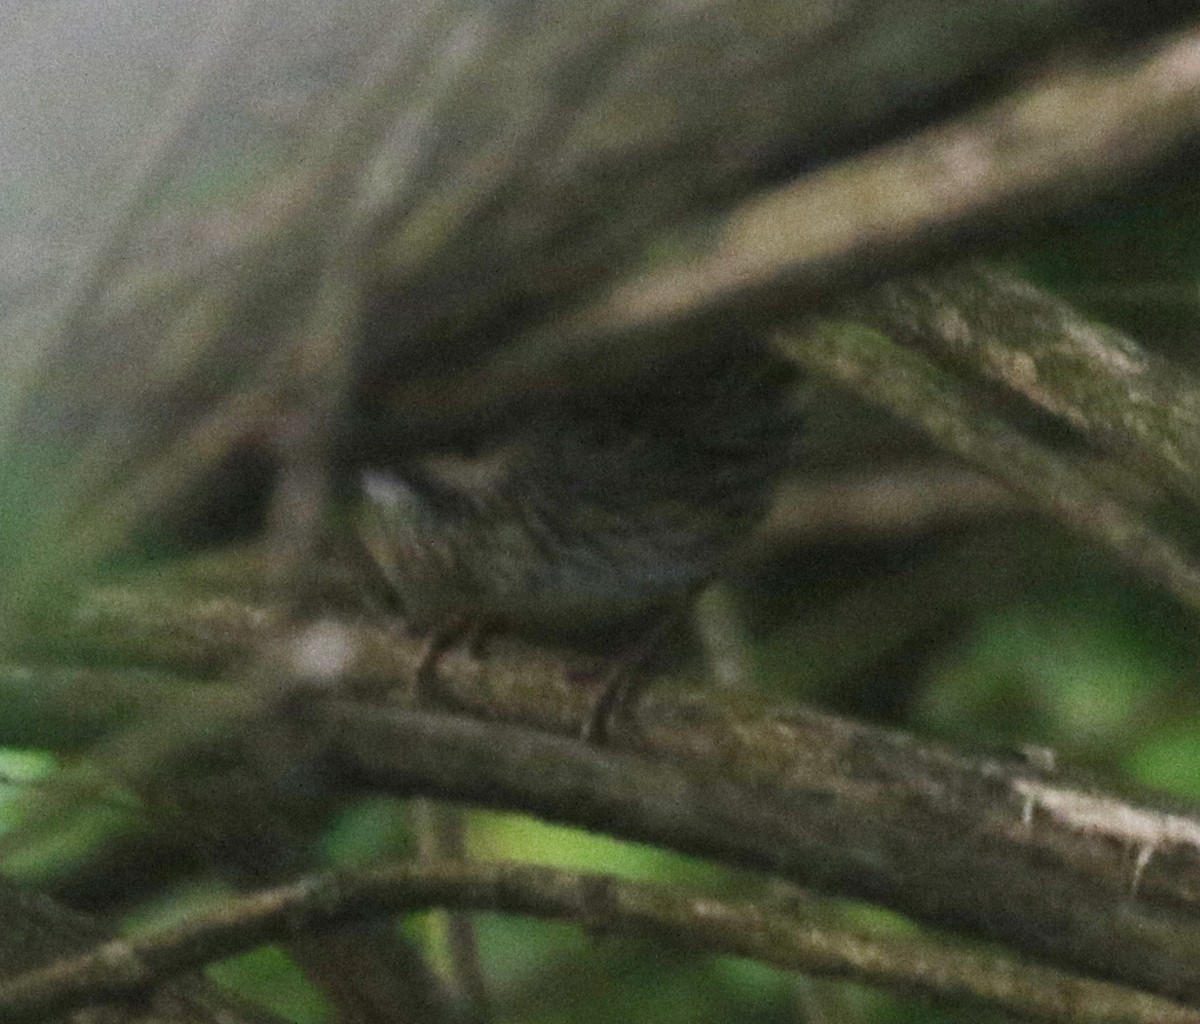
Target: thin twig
910	964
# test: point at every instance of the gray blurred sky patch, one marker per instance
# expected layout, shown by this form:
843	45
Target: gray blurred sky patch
82	82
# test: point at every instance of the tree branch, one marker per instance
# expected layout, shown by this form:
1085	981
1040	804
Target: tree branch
920	393
991	846
467	258
470	228
912	965
895	209
39	932
1098	379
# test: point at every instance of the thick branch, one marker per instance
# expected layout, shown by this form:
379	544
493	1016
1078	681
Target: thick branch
993	847
917	391
565	127
894	209
1093	376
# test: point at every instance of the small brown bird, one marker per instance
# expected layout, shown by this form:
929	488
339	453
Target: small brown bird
593	518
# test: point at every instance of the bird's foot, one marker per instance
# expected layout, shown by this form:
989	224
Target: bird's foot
471	634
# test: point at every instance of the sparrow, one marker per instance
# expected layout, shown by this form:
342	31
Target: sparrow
589	519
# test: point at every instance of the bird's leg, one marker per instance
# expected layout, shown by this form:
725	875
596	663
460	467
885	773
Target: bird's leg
624	677
472	633
439	640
